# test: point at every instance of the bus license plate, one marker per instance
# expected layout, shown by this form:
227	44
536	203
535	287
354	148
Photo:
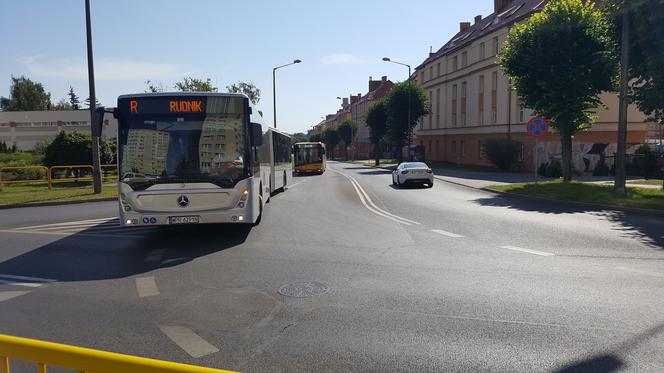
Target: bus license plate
184	220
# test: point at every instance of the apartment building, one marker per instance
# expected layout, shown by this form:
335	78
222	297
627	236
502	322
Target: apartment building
472	101
359	106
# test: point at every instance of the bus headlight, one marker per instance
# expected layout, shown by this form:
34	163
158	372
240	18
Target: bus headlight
244	195
125	205
240	205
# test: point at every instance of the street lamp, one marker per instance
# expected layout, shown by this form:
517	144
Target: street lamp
274	89
387	59
96	168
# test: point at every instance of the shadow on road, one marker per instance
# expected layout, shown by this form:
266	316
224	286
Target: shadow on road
409	186
611	361
376	172
86	258
648	229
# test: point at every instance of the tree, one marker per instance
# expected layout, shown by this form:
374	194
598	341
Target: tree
248	89
87	103
61	105
74	101
298	137
25	95
316	137
560	60
154	88
347	131
195	85
377	123
646	51
331	138
74	148
399	130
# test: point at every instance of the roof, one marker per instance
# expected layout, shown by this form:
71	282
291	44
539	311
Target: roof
377	93
518	10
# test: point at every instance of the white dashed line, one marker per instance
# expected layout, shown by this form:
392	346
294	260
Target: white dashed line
448	234
641	272
7	295
155	255
146	287
189	341
514	248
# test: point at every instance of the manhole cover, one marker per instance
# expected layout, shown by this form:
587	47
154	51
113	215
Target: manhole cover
303	289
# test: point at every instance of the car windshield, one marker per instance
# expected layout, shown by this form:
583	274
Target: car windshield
415	165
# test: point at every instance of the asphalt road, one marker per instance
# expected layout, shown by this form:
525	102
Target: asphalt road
383	279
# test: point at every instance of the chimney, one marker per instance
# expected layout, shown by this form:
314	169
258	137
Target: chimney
373	84
500	5
384	78
344	102
463	26
478	18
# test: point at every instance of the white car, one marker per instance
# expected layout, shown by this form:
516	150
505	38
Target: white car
412	172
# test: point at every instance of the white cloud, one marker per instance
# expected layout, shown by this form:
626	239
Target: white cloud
105	69
340	58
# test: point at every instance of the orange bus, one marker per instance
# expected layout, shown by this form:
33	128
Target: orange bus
308	158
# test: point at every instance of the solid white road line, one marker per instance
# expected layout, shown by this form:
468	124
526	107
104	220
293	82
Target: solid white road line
7	295
26	284
514	248
155	255
64	224
189	341
146	287
26	278
641	272
370	205
445	233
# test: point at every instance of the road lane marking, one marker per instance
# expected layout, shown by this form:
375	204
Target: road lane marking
104	227
25	281
38	279
26	284
448	234
641	272
189	341
155	255
146	287
370	205
514	248
68	223
7	295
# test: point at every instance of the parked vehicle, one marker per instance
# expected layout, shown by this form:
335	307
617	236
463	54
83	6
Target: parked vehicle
412	172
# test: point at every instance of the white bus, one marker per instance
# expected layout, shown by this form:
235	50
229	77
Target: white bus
194	158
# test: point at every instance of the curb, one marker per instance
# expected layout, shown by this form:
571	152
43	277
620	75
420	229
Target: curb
56	203
653	212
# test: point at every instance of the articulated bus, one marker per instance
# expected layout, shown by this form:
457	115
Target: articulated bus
308	158
188	158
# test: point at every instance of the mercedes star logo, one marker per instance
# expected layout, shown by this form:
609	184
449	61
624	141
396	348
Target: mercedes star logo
183	201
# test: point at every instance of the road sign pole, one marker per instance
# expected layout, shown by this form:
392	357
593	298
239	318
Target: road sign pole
536	160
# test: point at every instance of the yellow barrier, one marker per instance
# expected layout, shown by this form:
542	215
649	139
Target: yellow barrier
84	359
16	168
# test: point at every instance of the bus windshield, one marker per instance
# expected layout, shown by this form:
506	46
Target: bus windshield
159	149
307	154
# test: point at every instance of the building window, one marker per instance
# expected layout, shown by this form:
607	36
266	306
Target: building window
438	68
519	154
522	114
422	77
437	147
494	97
454	105
463	148
453	147
480	100
427	151
481	150
464	90
464	59
438	108
430	72
455	63
482	51
495	46
430	114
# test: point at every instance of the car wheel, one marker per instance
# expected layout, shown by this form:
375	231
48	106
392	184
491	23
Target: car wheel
398	182
393	182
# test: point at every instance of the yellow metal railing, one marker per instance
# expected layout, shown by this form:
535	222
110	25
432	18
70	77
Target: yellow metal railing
19	168
45	354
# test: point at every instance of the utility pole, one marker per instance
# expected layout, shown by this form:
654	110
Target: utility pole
274	90
619	186
96	168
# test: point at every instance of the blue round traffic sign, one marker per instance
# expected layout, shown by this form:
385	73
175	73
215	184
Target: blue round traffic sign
537	126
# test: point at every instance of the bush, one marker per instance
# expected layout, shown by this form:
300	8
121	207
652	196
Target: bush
645	161
502	152
75	149
601	169
554	169
541	170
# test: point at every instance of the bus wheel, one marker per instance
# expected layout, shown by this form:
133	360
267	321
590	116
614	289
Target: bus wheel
260	210
285	180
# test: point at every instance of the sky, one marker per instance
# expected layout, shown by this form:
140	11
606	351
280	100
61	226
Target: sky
341	44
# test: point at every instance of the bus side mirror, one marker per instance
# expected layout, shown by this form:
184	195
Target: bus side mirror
256	134
97	121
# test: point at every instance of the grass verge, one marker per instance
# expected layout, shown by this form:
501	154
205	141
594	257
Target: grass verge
590	193
646	182
38	192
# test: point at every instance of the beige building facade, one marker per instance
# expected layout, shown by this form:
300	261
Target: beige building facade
471	101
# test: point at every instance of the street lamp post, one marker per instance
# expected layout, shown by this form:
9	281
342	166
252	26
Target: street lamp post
96	168
387	59
274	89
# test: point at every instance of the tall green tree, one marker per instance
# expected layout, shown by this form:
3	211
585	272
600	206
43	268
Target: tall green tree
399	129
560	60
646	51
74	148
316	137
189	84
331	138
377	123
74	101
61	105
87	103
248	89
25	95
298	137
347	131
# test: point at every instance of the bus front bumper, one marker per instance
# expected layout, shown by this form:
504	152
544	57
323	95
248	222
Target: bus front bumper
236	216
